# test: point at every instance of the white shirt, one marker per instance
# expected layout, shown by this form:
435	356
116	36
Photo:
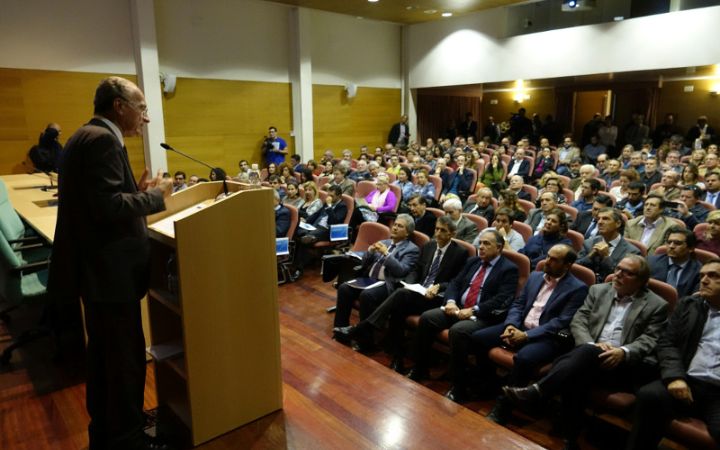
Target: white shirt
116	131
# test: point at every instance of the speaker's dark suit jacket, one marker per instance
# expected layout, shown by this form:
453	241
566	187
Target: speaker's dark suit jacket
689	281
559	310
523	171
101	248
498	290
452	262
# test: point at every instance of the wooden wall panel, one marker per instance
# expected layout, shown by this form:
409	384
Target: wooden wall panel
340	123
30	99
687	106
436	112
224	121
541	101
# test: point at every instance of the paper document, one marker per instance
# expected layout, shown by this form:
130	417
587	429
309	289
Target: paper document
306	226
357	255
419	288
365	283
161	352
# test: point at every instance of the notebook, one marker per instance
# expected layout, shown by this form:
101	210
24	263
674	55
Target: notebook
339	232
282	246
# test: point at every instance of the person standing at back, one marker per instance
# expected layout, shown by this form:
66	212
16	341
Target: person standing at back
101	253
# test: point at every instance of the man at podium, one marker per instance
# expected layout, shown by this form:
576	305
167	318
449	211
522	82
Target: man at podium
101	254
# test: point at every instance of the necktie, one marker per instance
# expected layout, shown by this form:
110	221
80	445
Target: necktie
375	271
475	286
673	273
591	229
434	268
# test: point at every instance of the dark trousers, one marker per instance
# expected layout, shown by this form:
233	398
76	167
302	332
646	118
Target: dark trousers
369	300
527	359
393	312
655	408
116	375
434	321
574	373
303	254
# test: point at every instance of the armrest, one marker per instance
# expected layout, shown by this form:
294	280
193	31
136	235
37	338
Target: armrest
31	267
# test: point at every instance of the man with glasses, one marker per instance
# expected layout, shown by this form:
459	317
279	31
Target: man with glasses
678	267
615	331
101	253
179	183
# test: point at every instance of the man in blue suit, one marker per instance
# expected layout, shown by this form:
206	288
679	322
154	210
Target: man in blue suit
282	216
476	298
389	260
547	305
678	267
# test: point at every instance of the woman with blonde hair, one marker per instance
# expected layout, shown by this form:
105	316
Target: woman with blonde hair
312	201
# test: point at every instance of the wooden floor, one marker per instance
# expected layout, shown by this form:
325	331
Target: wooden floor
334	398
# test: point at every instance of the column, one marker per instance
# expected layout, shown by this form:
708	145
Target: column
301	79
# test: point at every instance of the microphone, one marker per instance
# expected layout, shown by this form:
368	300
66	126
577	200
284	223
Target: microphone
169	148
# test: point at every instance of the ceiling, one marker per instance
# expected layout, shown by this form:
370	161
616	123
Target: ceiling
401	11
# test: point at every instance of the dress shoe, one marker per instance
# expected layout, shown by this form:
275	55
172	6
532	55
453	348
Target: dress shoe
343	334
500	412
364	346
522	394
397	365
457	394
296	275
418	374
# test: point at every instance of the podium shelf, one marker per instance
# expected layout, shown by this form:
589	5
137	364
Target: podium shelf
166	298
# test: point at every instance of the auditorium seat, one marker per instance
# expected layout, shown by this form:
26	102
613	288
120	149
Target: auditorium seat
479	221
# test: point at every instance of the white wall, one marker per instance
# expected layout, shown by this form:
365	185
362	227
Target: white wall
466	50
223	39
346	49
80	36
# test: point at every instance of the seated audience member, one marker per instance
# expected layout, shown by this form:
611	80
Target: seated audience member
338	173
394	165
296	164
276	184
672	162
625	155
388	260
669	187
554	185
360	173
678	267
466	229
519	166
544	164
424	187
637	163
440	260
503	224
687	207
404	182
712	188
516	185
328	167
424	219
602	252
709	239
691	177
473	300
217	174
332	213
566	153
593	150
586	221
482	206
587	171
602	163
589	190
508	199
546	305
312	201
441	169
292	195
554	232
687	357
494	173
282	216
306	174
627	176
271	171
375	169
286	173
609	351
574	169
313	167
379	201
536	218
458	183
179	181
612	172
651	175
649	228
633	203
710	164
193	180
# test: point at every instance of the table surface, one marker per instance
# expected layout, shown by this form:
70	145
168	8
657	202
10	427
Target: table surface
36	206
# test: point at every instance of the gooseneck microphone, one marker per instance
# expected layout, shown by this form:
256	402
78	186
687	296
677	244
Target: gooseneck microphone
169	148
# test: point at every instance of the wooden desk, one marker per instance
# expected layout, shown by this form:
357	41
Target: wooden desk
37	207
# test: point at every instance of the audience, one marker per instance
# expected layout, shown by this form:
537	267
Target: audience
678	266
466	229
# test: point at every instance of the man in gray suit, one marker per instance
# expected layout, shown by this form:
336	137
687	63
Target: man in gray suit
388	260
649	228
466	229
536	218
602	252
615	334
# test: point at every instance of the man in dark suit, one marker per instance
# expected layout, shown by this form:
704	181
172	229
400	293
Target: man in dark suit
712	186
388	260
424	219
469	127
678	267
101	253
615	332
482	206
440	260
519	165
282	216
536	217
586	221
547	305
458	183
474	299
516	185
688	384
399	135
602	252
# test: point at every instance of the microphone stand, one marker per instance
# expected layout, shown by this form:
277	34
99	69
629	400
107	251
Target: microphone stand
167	147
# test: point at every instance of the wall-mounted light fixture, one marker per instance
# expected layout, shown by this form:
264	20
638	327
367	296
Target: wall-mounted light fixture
520	94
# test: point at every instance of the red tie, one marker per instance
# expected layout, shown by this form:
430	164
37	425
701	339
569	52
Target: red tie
475	286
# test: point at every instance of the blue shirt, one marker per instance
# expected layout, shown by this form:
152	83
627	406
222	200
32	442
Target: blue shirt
274	157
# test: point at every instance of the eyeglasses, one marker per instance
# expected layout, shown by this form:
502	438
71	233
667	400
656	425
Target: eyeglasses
625	272
138	108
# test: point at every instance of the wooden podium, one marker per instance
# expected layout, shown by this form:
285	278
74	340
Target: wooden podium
213	308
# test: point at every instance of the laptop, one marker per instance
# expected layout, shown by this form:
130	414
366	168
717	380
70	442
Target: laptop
282	246
339	232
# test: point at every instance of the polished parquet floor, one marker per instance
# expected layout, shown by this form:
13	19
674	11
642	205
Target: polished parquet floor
334	398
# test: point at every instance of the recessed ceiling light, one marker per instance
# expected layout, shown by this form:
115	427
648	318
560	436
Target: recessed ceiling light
447	14
618	18
430	11
373	1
